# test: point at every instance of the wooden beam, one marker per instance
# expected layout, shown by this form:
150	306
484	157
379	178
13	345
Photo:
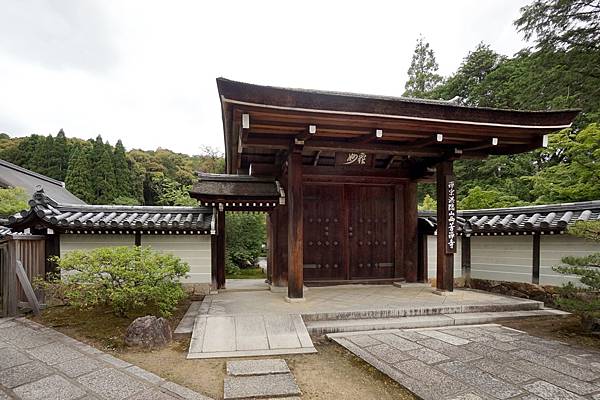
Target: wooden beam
316	144
435	138
317	156
535	275
310	132
295	225
389	162
445	261
483	145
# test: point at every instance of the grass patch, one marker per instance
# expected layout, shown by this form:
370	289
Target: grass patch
248	273
98	326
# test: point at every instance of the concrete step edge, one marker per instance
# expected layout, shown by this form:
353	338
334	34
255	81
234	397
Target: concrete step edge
422	311
335	326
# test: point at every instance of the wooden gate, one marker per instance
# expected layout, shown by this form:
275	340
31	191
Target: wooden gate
30	250
349	232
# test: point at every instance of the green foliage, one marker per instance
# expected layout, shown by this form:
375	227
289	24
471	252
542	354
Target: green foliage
245	235
126	201
466	83
573	171
79	175
561	23
12	200
422	73
480	198
124	278
584	300
99	173
428	204
170	192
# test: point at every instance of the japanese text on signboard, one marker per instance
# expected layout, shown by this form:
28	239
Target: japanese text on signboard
451	215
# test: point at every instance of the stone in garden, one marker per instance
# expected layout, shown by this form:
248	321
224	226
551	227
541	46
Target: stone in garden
148	332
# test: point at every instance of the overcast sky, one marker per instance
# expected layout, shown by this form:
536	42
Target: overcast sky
144	71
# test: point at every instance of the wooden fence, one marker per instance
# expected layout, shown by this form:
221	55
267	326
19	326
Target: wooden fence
30	250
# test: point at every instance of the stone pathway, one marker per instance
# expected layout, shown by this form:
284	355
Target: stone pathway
37	362
244	335
478	362
251	379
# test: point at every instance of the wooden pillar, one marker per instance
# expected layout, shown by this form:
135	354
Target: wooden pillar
213	262
465	252
220	250
52	248
411	248
270	234
535	276
280	244
445	259
295	225
422	258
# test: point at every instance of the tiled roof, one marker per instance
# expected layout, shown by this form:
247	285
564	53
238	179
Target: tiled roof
232	191
4	231
101	217
12	175
527	219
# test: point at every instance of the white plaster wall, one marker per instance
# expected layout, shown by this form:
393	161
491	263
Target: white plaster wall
193	249
70	242
553	248
502	258
432	258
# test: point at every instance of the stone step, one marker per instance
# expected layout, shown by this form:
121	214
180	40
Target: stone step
524	305
271	386
321	327
257	367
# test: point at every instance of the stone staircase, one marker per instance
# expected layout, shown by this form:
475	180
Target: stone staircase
424	317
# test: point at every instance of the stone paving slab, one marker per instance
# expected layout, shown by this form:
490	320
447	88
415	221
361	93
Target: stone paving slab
246	387
257	367
37	362
472	362
244	335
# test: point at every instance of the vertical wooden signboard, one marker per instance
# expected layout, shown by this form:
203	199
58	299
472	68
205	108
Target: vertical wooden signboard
451	234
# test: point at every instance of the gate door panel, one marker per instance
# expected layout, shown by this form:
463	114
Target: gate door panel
323	233
371	231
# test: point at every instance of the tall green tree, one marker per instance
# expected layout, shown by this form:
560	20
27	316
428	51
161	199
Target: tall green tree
79	176
122	167
562	24
466	82
422	73
104	177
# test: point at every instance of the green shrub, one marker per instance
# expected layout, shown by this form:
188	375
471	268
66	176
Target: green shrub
124	278
245	235
585	299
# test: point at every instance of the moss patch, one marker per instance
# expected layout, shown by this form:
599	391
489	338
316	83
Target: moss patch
98	326
248	273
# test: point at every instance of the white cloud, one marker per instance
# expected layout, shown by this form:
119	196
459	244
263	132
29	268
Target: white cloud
144	71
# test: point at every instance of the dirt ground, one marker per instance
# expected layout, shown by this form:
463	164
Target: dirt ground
332	373
565	329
